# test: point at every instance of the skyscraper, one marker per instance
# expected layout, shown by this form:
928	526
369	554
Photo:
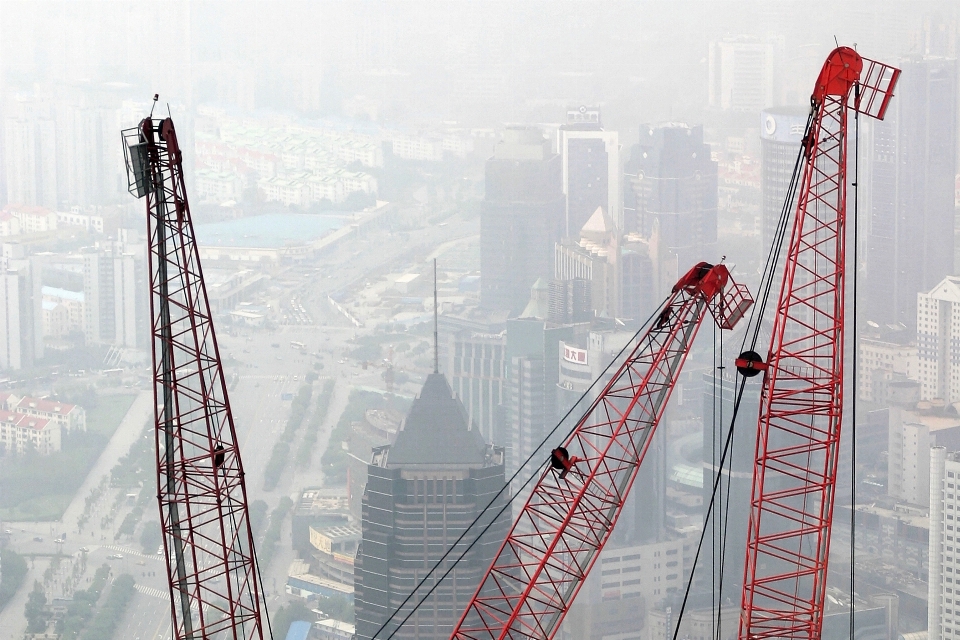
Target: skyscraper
912	170
30	159
781	130
422	492
476	366
741	74
115	293
521	218
21	319
591	169
938	341
672	198
943	618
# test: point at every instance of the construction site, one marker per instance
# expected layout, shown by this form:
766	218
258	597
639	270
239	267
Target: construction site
531	386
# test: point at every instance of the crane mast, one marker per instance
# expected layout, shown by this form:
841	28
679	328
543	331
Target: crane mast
791	510
577	499
207	539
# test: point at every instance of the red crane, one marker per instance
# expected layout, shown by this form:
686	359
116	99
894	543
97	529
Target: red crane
577	499
211	566
798	437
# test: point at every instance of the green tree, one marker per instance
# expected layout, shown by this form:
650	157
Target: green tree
35	611
151	537
289	614
13	569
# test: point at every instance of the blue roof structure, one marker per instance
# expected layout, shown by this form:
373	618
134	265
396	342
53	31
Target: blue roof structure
299	630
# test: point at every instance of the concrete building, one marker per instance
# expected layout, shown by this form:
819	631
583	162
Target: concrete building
423	491
476	364
21	314
116	293
938	341
69	417
672	199
741	74
333	551
530	394
883	360
781	129
943	618
911	432
592	170
624	587
521	218
63	312
30	161
911	174
20	433
594	258
33	219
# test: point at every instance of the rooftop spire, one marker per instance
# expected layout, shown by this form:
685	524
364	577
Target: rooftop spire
436	340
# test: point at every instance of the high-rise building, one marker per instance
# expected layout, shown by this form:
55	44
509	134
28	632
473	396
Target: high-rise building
938	341
11	345
530	389
476	364
422	492
30	161
521	218
943	618
781	130
593	257
21	316
741	74
592	172
116	296
672	199
912	172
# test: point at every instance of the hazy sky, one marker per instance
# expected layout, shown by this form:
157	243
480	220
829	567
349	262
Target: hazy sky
641	60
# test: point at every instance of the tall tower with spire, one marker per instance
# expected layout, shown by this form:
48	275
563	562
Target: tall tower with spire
422	493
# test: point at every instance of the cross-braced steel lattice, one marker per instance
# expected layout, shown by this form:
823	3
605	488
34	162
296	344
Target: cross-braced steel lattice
576	501
214	590
788	540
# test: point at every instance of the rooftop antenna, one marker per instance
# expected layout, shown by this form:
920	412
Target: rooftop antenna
436	339
156	97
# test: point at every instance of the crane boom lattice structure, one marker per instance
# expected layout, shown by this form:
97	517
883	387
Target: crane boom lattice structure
795	475
576	501
211	567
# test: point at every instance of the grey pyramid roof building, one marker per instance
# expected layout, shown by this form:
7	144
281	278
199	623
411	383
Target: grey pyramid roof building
422	493
436	431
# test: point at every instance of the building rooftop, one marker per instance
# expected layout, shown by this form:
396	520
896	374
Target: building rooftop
436	430
46	406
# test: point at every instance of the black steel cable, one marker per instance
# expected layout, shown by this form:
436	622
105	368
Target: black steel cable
856	373
713	496
509	501
713	462
756	319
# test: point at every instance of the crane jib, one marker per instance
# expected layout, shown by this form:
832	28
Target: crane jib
577	499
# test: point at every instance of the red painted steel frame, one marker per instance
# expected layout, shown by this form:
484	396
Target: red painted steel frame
801	403
214	591
564	524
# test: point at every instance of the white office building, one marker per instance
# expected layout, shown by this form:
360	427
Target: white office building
943	586
938	341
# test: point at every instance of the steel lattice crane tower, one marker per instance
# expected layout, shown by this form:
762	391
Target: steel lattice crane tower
794	482
577	499
211	565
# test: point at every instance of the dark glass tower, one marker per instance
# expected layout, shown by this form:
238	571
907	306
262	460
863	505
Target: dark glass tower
912	169
521	218
673	192
422	492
